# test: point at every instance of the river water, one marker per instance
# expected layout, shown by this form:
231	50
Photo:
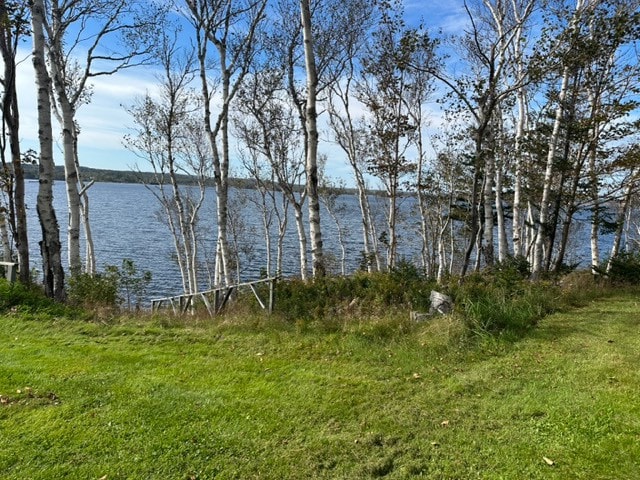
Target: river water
126	224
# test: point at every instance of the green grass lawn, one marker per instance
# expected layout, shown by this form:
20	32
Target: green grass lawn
141	400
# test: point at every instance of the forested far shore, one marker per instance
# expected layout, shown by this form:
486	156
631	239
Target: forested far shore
149	178
125	176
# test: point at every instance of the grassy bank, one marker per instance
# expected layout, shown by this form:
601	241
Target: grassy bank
149	399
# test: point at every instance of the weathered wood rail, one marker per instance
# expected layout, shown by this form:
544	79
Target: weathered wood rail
216	299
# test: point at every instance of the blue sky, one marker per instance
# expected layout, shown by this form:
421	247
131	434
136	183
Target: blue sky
104	121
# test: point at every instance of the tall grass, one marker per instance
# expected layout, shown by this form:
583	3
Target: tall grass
487	303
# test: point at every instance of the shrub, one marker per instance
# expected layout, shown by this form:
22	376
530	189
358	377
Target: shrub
497	301
625	268
111	288
360	294
25	299
93	291
132	284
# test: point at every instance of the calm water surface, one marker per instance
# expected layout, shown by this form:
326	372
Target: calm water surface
125	224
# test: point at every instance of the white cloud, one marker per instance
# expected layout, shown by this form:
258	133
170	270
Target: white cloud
103	122
446	15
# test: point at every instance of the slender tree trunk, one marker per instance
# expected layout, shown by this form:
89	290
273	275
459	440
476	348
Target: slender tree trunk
340	232
66	118
595	221
622	215
223	191
442	254
391	224
368	229
422	207
90	252
594	184
302	239
11	116
20	235
521	126
50	245
571	209
543	218
488	202
503	245
4	236
473	221
312	141
282	232
530	234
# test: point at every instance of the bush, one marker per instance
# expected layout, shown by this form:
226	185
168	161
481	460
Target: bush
625	268
18	298
94	291
497	301
111	288
132	284
360	294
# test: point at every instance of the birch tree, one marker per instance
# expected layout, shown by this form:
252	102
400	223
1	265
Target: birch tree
543	217
53	273
311	128
393	92
86	39
231	28
266	124
597	93
14	24
350	135
313	40
486	83
170	140
330	191
631	183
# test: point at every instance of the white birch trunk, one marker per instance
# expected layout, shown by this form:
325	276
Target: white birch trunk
543	217
368	228
622	217
521	124
595	221
302	240
521	127
442	254
503	245
66	118
311	126
391	224
4	236
488	202
90	265
517	228
50	244
500	166
11	116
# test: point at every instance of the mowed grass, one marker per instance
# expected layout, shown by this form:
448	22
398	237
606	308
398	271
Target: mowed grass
145	399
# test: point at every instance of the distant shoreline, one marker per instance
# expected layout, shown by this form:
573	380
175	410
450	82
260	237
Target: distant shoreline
130	176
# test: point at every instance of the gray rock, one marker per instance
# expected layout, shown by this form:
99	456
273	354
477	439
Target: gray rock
440	303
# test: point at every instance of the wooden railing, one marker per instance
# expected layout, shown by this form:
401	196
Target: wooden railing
216	299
